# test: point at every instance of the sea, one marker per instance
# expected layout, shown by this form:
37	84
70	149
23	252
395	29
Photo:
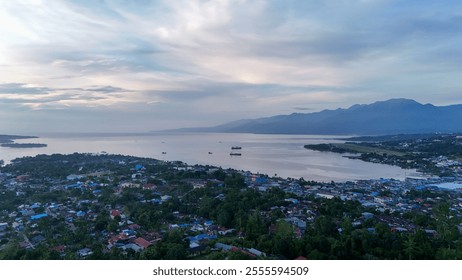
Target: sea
271	154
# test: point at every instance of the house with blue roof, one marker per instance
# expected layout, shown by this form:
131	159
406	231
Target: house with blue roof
129	232
73	177
53	206
291	200
92	184
76	185
201	237
224	247
36	205
3	226
38	216
80	214
156	201
85	252
27	212
261	180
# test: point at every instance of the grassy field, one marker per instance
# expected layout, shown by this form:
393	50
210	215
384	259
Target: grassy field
360	149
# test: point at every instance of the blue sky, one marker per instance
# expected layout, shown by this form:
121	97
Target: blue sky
135	66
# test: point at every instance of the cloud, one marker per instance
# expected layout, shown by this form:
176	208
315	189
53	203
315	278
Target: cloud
107	89
303	109
58	98
21	88
174	60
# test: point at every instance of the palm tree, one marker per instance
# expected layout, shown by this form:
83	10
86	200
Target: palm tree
410	246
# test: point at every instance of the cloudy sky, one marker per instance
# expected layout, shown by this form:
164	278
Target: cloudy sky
89	65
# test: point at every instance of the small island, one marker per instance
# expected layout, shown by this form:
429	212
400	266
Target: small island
8	141
23	145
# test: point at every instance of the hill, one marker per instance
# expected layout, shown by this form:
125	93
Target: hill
394	116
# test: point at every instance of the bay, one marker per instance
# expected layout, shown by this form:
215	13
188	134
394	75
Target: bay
280	155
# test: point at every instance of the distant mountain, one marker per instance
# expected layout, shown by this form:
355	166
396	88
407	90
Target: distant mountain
394	116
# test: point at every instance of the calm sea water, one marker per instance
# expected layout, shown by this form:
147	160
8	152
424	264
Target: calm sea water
281	155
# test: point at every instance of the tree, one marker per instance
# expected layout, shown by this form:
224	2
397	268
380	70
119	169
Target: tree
283	239
324	226
174	251
225	218
255	227
446	223
409	245
235	181
102	222
11	251
424	248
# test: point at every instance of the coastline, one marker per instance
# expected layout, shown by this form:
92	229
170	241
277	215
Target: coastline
8	141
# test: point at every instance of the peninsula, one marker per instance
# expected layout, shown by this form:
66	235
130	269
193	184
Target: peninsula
8	141
436	154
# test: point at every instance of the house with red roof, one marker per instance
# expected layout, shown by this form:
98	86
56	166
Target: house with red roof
134	227
143	243
114	213
118	240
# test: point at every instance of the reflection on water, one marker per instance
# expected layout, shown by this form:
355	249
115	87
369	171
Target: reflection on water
283	155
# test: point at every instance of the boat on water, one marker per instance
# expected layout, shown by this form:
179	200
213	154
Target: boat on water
235	154
236	148
164	153
210	153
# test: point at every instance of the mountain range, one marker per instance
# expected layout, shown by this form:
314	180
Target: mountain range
394	116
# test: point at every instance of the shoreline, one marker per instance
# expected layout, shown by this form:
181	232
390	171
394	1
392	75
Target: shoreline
8	141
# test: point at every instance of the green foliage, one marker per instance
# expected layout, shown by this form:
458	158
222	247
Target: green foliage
165	251
9	201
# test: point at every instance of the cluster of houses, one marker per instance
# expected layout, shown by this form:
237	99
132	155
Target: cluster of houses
130	235
381	197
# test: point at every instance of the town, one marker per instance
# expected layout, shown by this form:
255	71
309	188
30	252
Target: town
435	154
101	206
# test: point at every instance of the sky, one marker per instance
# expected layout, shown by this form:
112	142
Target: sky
138	66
